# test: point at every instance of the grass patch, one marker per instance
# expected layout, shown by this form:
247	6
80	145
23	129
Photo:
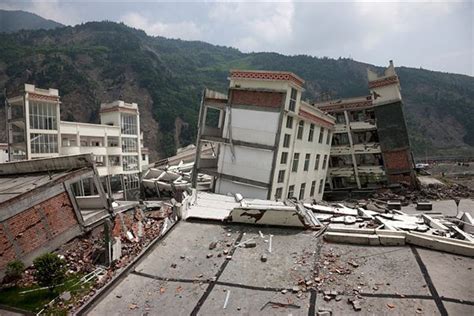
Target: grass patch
36	300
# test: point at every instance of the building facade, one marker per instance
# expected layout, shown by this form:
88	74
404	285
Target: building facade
35	131
270	144
3	152
370	146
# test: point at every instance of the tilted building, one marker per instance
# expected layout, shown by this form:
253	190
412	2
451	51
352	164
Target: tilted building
35	131
268	143
370	145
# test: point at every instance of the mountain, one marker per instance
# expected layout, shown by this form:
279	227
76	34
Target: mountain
13	21
102	61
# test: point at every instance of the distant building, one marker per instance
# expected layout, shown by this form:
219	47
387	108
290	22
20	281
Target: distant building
370	145
3	152
35	131
269	143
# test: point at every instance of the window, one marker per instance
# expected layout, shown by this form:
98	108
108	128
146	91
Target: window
328	137
44	143
291	191
340	118
306	162
286	141
316	163
320	190
114	161
278	193
340	139
130	163
325	160
281	176
321	135
292	105
311	133
300	130
129	145
303	186
284	157
131	181
313	188
289	122
296	157
129	124
43	115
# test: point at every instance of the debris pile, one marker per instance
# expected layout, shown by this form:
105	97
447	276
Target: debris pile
378	224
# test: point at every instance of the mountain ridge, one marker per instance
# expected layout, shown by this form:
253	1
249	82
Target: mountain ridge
16	20
100	61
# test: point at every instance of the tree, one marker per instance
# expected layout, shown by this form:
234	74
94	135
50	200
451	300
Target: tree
14	270
50	270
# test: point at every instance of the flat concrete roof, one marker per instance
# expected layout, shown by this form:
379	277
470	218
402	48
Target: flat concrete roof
177	278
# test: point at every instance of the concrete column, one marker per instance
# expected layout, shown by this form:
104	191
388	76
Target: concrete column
354	162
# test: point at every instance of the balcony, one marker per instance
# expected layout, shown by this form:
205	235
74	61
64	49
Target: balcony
340	150
340	128
96	150
369	148
370	170
114	151
362	126
341	171
72	150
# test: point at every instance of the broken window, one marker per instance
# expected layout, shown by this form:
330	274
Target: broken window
129	145
357	116
278	193
99	160
281	176
284	157
44	143
129	124
316	163
344	182
130	163
369	159
365	137
292	105
286	141
306	162
340	139
112	141
114	161
311	133
313	188
296	158
302	188
291	191
289	122
321	135
328	138
340	118
340	161
300	130
43	115
321	185
325	160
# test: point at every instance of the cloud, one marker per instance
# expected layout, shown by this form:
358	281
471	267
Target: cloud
256	25
184	30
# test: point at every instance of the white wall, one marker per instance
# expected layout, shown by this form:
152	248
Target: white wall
224	186
252	126
249	163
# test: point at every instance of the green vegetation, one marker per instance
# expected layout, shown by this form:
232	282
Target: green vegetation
50	270
102	61
14	270
27	299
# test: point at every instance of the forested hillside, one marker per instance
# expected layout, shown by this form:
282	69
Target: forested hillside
102	61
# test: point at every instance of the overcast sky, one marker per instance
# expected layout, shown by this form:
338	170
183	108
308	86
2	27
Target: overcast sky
436	35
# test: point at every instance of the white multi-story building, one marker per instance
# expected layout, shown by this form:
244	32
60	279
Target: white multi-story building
3	152
270	144
35	131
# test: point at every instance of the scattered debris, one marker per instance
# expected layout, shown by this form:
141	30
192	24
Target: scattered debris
278	304
226	299
263	258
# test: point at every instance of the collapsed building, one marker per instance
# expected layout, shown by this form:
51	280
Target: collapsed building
269	143
370	145
34	130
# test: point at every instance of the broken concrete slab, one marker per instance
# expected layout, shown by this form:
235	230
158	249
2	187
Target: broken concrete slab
440	243
349	238
433	223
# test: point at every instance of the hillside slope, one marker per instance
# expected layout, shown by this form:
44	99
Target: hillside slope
13	21
102	61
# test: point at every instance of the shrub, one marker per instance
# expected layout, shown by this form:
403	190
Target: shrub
50	270
14	270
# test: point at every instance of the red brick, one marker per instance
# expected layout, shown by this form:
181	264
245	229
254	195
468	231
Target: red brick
257	98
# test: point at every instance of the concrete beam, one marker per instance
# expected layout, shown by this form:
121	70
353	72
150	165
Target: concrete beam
446	245
356	239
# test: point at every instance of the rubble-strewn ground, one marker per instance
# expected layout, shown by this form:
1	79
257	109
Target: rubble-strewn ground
183	276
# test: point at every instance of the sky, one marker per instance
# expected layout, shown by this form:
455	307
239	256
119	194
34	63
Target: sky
435	35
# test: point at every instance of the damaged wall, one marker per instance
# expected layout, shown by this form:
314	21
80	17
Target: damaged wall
37	229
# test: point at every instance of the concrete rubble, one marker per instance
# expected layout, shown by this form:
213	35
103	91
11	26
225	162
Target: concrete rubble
376	224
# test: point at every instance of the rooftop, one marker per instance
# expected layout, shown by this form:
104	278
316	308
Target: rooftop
266	75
